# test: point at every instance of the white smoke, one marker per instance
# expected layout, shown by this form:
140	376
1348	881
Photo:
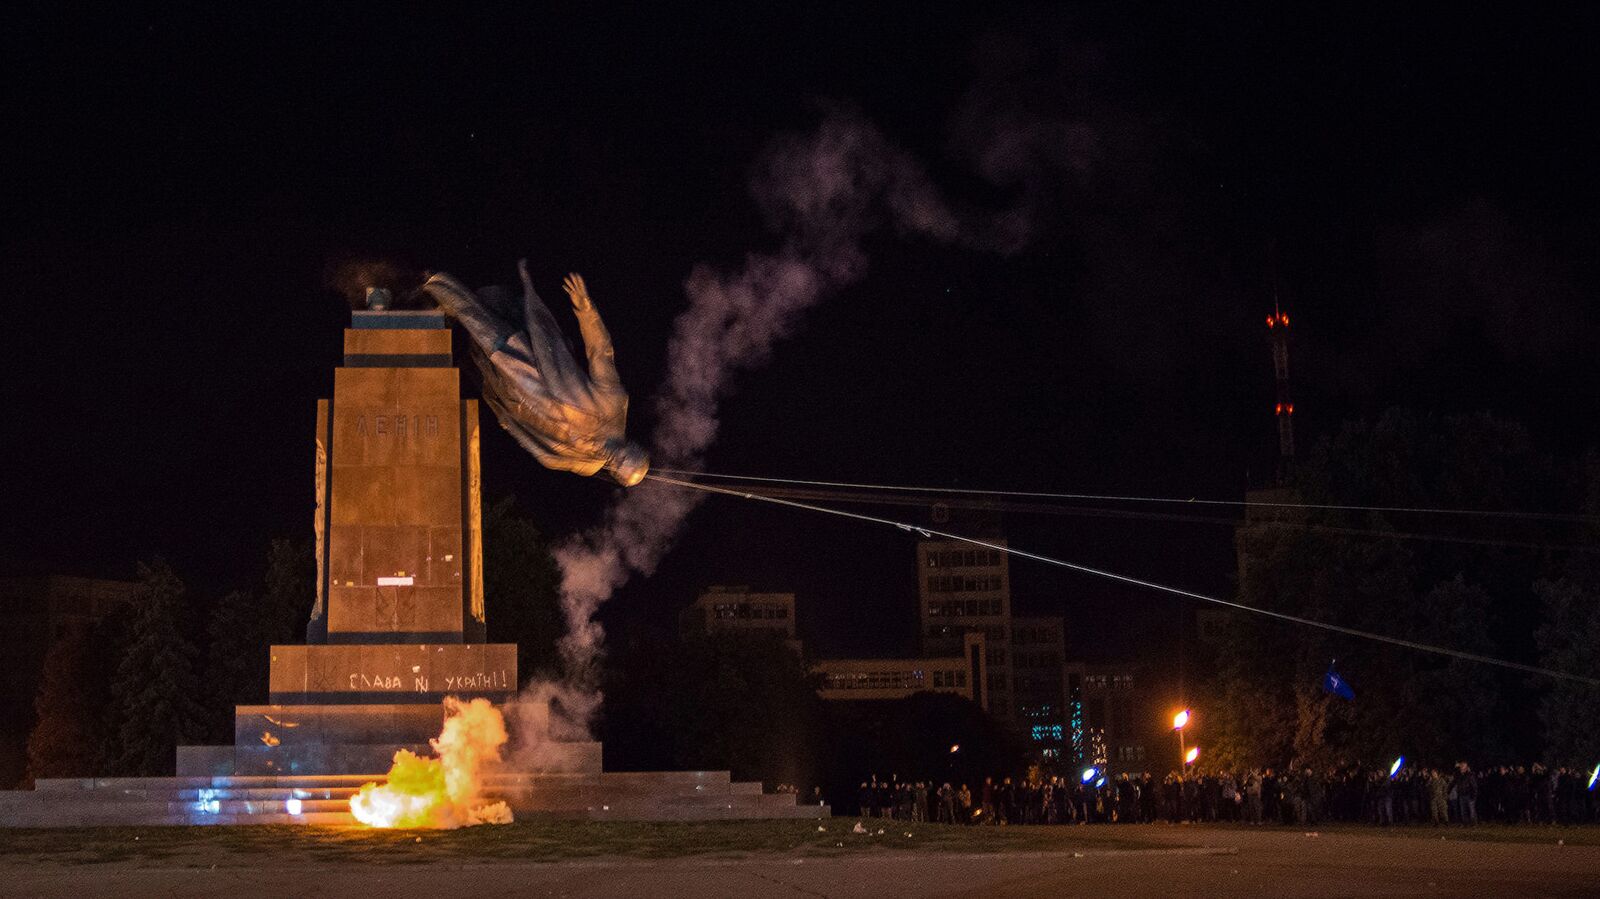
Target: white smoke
546	715
823	193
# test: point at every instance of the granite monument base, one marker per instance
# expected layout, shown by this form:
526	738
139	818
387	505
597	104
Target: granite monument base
325	799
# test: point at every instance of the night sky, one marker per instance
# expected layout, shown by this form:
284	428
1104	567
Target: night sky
183	186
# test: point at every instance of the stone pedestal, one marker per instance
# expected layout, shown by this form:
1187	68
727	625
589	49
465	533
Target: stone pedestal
398	622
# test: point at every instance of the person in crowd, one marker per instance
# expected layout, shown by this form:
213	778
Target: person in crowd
1438	797
1271	790
1467	793
1569	799
1544	795
1227	797
1315	795
1148	799
1252	797
1383	789
964	805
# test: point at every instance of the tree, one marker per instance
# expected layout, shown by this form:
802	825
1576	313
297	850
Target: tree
1265	704
521	588
110	639
1569	640
289	590
236	661
64	742
155	692
1456	707
1357	568
243	626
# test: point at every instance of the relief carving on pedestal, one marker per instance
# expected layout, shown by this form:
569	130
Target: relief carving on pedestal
317	525
474	516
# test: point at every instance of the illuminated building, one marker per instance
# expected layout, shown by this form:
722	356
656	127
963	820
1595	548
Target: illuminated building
962	589
1108	716
1038	654
858	679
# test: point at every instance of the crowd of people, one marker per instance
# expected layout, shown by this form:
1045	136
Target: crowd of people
1533	794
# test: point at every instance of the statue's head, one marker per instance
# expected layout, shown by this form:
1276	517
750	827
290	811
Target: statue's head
629	463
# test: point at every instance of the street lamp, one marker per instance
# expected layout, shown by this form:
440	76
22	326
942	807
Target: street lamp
1191	755
1179	722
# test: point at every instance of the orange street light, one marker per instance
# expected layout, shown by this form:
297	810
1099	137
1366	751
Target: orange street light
1180	719
1191	756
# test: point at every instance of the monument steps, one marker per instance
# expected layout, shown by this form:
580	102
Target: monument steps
324	799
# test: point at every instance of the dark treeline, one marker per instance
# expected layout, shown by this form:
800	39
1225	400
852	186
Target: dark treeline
119	697
169	668
1518	588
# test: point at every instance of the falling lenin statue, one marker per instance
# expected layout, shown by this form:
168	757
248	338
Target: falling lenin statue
568	420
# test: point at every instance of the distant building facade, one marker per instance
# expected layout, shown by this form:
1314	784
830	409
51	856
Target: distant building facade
1110	718
723	610
1038	659
961	674
962	589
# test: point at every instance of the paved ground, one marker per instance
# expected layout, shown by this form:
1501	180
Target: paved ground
1190	861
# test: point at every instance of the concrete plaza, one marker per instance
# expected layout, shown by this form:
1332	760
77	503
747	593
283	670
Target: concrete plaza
1174	861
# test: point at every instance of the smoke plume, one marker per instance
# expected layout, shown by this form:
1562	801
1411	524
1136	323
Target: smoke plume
823	193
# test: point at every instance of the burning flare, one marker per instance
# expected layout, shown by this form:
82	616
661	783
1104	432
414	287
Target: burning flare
442	792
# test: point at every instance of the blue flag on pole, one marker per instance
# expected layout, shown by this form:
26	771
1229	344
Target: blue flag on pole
1337	685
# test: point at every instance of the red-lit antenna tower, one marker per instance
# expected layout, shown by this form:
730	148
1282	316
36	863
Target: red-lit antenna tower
1278	327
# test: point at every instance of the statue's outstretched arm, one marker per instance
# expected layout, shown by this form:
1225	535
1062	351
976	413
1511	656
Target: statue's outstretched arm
596	339
550	354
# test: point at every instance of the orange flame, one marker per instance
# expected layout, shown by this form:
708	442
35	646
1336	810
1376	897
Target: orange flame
442	792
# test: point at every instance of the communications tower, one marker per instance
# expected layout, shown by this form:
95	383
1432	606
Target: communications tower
1278	329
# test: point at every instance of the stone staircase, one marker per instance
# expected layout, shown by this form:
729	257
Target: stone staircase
324	799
